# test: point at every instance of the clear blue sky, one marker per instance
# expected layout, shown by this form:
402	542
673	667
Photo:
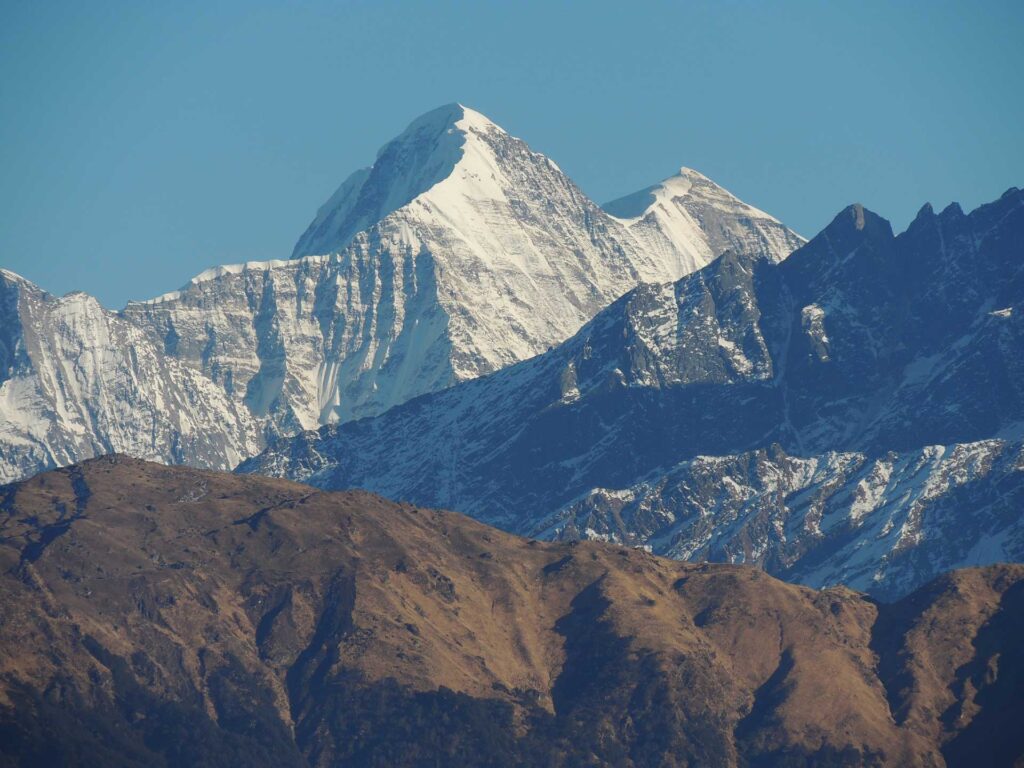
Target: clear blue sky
143	142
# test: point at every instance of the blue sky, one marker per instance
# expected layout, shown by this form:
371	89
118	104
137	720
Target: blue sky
143	142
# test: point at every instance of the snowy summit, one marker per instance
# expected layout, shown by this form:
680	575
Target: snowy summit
458	252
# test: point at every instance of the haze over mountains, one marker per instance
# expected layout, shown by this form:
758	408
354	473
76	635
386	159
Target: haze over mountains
154	615
849	415
460	251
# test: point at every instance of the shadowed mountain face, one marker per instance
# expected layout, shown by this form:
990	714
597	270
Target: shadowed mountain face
154	615
890	367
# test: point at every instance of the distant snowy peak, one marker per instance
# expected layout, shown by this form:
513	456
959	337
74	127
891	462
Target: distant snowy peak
443	143
505	254
455	167
691	214
687	186
458	252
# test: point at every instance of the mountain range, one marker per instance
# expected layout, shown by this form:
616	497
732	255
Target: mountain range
165	616
851	414
718	495
458	252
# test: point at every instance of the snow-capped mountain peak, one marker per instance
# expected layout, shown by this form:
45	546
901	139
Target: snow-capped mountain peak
424	154
701	219
516	255
459	251
455	167
686	185
444	157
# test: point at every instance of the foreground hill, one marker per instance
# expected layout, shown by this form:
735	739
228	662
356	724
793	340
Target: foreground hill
899	355
154	615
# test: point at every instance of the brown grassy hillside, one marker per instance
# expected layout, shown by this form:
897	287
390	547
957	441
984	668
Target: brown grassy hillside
154	615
